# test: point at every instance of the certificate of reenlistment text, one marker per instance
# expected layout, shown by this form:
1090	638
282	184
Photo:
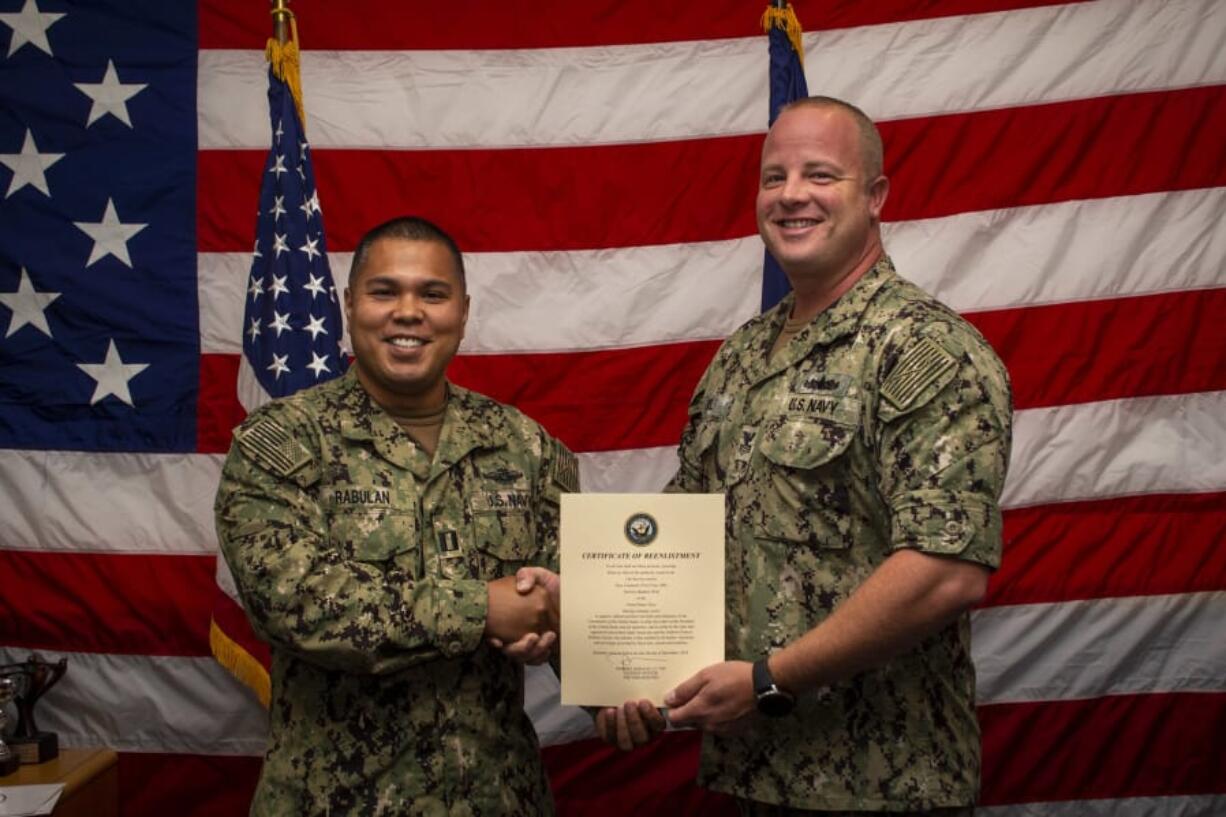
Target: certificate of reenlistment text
642	594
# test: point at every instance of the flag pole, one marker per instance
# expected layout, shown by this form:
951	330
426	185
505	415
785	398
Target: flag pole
280	20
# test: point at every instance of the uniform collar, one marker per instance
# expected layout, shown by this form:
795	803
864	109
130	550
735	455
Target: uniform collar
839	319
464	430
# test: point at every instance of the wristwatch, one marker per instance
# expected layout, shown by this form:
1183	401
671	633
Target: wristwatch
773	701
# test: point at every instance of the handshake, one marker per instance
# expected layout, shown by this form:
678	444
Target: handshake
522	614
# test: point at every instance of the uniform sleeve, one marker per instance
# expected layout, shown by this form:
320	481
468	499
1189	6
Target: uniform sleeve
304	595
558	474
695	439
946	417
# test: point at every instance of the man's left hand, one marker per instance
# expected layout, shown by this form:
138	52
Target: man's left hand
715	699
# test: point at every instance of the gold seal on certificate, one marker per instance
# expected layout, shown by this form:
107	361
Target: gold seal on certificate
642	594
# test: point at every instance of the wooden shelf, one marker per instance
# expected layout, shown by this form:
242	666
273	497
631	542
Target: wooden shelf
90	778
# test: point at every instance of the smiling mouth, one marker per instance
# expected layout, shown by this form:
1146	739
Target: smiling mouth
406	343
792	223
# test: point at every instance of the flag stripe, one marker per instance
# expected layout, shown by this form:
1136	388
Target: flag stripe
637	296
562	96
1059	454
1205	805
940	166
385	24
1117	746
1117	547
1022	651
196	785
1039	652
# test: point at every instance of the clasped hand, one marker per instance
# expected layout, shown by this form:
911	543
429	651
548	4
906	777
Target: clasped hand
522	619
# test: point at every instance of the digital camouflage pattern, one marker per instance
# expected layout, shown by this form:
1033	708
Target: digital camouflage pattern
363	563
883	424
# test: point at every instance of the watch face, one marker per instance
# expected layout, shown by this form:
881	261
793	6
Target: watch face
775	704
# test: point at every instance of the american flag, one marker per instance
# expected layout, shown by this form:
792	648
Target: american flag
1058	175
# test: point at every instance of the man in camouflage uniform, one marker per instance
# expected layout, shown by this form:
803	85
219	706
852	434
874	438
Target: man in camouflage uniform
373	525
861	433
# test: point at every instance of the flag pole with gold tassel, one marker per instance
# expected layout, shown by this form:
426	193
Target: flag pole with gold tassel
283	55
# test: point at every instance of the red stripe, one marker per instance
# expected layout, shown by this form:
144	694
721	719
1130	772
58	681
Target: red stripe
550	23
1082	352
527	199
157	785
1117	547
1120	746
1116	747
218	411
590	778
232	620
637	398
156	604
132	604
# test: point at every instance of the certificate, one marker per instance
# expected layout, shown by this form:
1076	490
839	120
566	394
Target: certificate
642	594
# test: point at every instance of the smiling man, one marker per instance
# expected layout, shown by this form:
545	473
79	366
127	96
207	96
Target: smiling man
373	525
860	431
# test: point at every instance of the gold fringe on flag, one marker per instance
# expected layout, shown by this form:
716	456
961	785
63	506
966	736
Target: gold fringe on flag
785	19
240	663
284	60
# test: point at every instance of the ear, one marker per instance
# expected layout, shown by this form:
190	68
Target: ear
464	321
348	306
878	190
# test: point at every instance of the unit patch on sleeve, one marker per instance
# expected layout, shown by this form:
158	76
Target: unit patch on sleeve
919	367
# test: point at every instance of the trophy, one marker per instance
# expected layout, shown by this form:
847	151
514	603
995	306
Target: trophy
36	677
8	758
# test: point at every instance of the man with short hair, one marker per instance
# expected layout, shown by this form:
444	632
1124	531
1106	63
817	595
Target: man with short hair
373	525
860	431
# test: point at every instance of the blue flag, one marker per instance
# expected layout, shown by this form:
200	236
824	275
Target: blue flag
787	81
292	317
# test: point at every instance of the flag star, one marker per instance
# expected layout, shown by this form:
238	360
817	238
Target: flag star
30	26
279	132
278	287
29	166
255	251
303	146
315	286
254	329
279	322
256	288
112	375
278	166
278	367
302	171
309	248
110	235
28	305
110	96
315	326
279	244
278	208
314	201
305	207
318	364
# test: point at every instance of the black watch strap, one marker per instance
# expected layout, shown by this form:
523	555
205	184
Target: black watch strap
772	701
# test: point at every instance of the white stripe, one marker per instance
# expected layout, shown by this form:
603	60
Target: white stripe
163	503
697	89
635	296
1118	448
1200	805
1028	653
114	502
1070	650
142	703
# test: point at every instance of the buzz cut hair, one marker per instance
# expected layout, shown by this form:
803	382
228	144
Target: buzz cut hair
407	228
871	149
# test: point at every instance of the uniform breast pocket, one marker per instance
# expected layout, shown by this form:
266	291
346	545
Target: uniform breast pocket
376	536
503	532
804	486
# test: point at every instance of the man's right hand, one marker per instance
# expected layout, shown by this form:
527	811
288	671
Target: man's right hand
630	725
512	613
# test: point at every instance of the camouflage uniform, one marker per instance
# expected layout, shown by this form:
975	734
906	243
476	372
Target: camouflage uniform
364	564
884	424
